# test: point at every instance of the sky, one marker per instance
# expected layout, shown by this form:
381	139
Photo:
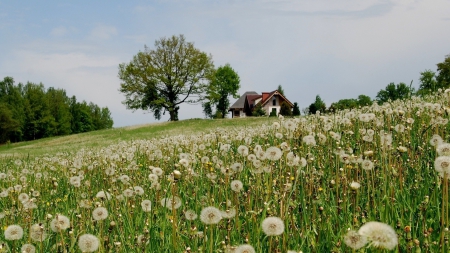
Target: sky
335	49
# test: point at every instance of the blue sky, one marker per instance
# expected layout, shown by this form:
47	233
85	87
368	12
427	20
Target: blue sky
337	49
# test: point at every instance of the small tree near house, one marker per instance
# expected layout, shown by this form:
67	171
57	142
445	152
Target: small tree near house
285	109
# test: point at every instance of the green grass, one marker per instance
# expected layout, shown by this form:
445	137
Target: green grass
101	138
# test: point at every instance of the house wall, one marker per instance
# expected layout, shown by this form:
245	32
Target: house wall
240	114
269	105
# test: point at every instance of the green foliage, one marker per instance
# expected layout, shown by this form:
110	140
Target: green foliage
428	83
394	92
296	110
259	111
285	109
225	83
30	112
318	105
280	89
160	80
364	100
351	103
443	70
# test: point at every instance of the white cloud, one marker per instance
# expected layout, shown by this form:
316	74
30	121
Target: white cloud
103	32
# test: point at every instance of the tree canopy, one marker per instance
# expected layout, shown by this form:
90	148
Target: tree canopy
318	105
225	83
443	70
393	92
30	111
161	79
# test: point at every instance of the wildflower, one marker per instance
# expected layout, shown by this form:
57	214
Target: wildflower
23	197
273	153
190	215
103	195
171	202
210	215
354	240
128	193
244	248
88	243
309	140
228	214
28	248
355	186
157	171
442	165
37	232
13	232
138	190
236	185
367	164
237	167
443	149
435	140
146	205
60	222
100	213
242	150
380	235
153	177
273	226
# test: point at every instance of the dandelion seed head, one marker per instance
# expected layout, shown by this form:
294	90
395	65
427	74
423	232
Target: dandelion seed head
273	226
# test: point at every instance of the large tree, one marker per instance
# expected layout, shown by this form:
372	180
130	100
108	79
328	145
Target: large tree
225	83
443	76
318	105
161	79
394	92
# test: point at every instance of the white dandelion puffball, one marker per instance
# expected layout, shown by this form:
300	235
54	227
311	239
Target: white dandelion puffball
273	226
273	153
60	222
146	205
190	215
13	232
100	213
380	235
210	215
28	248
173	202
37	232
88	243
354	240
236	185
245	248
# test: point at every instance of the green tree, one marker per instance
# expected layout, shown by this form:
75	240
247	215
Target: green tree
428	82
60	110
285	109
160	80
296	110
11	96
443	70
259	111
8	124
364	100
280	89
318	105
225	83
394	92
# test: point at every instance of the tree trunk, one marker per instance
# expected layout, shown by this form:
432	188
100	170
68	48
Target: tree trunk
174	113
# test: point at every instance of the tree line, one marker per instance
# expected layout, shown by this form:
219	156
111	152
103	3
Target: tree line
30	112
430	82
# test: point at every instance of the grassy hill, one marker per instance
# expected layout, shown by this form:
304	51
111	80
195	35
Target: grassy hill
107	137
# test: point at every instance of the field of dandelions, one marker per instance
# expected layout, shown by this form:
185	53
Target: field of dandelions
373	179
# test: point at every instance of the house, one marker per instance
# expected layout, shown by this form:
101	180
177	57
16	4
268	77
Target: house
270	102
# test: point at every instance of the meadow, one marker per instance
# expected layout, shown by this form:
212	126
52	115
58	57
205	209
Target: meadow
374	179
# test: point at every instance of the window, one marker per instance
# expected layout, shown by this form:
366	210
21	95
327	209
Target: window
236	113
274	101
